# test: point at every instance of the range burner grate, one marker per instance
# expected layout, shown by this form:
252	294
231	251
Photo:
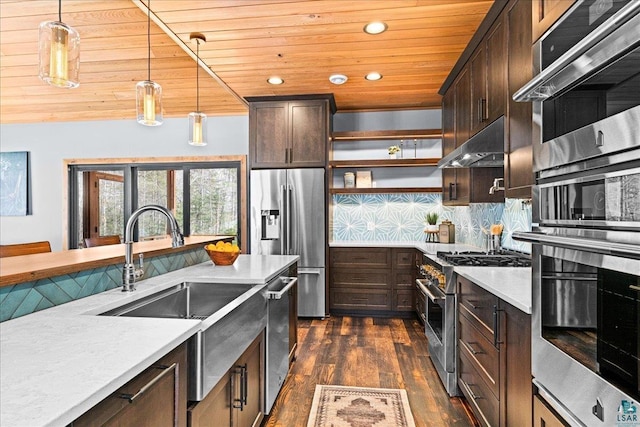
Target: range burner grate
481	259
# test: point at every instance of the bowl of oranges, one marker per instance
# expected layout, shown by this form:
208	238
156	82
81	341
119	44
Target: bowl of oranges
222	253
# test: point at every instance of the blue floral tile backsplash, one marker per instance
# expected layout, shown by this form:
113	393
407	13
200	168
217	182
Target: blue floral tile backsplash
401	217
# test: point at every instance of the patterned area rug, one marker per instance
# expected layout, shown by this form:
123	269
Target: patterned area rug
340	406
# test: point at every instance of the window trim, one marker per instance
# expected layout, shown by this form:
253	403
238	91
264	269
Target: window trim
148	163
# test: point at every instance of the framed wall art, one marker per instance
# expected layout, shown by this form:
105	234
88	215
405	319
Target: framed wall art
15	196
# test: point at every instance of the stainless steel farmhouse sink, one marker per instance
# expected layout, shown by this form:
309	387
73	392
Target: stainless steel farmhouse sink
232	316
187	300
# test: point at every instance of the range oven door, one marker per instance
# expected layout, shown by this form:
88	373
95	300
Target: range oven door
440	331
586	324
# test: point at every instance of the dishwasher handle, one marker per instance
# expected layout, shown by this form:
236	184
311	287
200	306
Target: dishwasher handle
278	294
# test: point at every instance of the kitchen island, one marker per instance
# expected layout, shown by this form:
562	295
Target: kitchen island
58	363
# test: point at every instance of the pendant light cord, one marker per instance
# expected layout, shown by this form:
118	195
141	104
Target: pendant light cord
59	10
148	39
197	75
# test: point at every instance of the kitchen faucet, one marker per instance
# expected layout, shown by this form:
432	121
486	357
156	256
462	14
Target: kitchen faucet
129	272
496	186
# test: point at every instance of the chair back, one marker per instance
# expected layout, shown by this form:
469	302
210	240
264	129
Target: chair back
101	241
24	249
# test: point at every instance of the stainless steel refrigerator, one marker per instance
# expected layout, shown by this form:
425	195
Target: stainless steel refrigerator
288	218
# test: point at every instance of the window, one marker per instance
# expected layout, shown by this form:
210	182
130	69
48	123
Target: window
204	196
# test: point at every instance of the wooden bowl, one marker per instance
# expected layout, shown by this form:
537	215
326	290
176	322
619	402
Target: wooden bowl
222	258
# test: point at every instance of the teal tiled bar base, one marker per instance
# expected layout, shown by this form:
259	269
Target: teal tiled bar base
25	298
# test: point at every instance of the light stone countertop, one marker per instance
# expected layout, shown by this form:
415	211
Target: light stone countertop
58	363
511	284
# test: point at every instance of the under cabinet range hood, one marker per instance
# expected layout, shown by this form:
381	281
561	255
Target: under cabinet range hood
484	149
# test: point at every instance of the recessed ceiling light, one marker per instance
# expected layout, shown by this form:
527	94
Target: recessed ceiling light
275	80
338	79
375	27
373	76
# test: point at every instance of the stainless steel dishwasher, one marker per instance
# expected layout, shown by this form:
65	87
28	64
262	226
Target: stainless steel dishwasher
277	336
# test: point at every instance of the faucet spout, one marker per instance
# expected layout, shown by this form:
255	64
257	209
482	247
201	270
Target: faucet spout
496	186
129	272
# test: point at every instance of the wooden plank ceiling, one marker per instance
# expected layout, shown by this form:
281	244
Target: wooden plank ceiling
248	41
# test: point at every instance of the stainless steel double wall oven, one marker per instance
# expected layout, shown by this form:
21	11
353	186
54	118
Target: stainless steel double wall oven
586	214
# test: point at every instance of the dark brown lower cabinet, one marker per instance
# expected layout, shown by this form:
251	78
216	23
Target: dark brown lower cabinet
237	398
494	357
155	398
367	281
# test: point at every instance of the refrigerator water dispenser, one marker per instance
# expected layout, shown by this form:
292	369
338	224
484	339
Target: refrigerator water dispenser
270	225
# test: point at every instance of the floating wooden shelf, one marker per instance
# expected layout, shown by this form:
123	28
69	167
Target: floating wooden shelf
382	190
386	134
383	163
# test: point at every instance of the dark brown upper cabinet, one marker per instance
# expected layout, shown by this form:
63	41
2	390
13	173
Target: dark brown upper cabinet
288	132
488	78
518	159
546	13
497	62
461	186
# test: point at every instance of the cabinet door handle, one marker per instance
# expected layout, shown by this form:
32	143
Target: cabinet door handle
290	155
634	287
239	403
482	106
147	386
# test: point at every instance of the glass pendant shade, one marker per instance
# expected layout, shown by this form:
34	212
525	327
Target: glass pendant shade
59	52
197	129
149	103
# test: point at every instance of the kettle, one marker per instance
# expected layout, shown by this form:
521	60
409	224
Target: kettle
447	232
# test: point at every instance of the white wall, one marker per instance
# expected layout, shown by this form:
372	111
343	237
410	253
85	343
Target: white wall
50	143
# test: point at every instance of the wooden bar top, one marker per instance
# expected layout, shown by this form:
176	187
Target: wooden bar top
26	268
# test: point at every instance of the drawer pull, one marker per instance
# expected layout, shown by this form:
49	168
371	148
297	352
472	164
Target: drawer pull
473	395
634	287
470	349
496	326
473	304
146	387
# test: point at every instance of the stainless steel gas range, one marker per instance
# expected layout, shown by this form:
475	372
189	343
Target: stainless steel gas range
436	288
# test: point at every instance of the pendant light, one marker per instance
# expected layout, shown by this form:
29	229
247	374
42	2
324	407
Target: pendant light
197	119
59	53
149	93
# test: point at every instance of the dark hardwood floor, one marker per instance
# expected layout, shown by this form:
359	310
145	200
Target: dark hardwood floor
366	352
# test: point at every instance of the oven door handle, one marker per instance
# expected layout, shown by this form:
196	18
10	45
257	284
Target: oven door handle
428	292
579	243
558	75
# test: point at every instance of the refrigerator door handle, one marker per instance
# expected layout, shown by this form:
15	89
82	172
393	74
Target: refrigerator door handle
289	208
283	219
